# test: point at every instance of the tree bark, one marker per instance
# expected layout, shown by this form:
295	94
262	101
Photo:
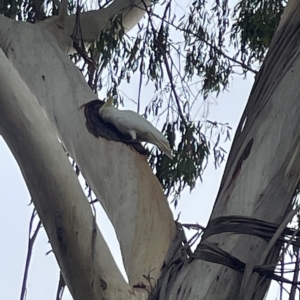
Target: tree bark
83	256
42	90
260	178
119	176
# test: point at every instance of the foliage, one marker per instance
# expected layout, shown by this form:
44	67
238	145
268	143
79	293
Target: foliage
31	10
172	55
254	25
183	53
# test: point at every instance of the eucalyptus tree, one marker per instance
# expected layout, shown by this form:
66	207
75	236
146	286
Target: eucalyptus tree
49	112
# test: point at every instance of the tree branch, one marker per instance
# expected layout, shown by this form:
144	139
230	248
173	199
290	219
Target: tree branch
267	177
94	21
61	287
215	48
119	176
57	194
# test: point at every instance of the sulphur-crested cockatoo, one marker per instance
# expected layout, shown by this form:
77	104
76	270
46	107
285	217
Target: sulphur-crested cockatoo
129	122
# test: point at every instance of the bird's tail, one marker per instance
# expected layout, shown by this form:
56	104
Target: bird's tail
162	144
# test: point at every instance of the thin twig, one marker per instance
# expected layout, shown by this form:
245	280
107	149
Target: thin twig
193	226
278	233
295	277
272	242
106	4
140	86
31	241
163	51
151	13
169	72
281	283
77	37
61	287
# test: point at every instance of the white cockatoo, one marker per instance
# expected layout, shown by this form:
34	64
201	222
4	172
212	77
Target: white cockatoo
130	122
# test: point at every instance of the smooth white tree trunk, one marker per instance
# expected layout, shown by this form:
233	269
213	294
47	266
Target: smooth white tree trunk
82	253
258	181
119	176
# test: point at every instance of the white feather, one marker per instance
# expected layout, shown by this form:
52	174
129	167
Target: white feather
129	122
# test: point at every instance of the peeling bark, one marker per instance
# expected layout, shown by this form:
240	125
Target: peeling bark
259	181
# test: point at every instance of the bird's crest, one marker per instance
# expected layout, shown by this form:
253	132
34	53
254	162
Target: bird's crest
109	102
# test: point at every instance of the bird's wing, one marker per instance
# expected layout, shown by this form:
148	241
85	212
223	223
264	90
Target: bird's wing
127	121
122	121
145	131
138	123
